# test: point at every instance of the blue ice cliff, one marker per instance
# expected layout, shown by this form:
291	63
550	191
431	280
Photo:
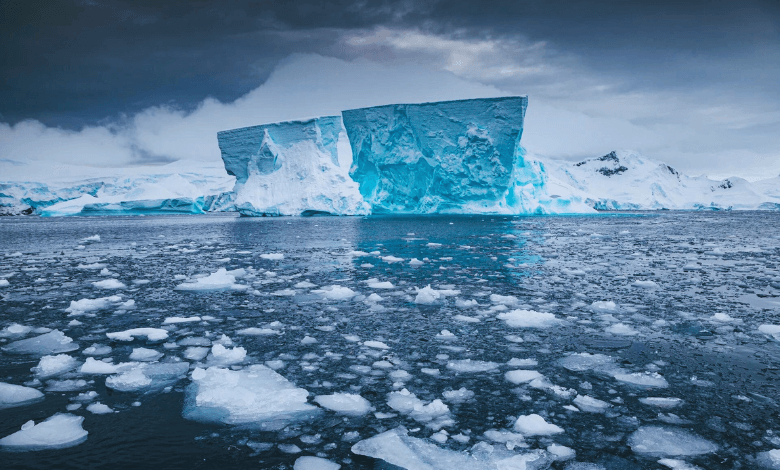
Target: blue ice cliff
448	157
291	168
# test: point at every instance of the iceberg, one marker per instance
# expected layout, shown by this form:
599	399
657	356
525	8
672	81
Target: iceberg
291	168
447	157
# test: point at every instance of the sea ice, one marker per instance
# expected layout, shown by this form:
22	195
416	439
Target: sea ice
109	284
50	366
661	402
427	296
175	320
255	395
665	441
145	355
315	463
14	329
151	334
642	379
471	366
99	408
57	432
528	319
621	329
521	376
535	425
80	307
336	292
17	395
591	405
272	256
344	403
52	342
222	356
220	280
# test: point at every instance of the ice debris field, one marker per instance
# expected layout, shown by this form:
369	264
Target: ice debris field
442	342
453	157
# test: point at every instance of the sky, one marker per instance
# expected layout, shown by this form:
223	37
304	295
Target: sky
115	83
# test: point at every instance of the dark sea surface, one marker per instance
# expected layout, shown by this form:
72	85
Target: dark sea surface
672	302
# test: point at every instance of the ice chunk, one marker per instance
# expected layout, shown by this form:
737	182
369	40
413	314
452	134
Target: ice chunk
535	425
344	403
528	319
376	284
580	362
52	342
770	330
661	402
14	329
291	168
642	379
57	432
50	366
80	307
471	366
99	408
769	459
220	280
147	376
427	296
195	353
97	350
144	354
220	355
129	381
522	376
17	395
407	403
461	395
664	441
508	300
561	453
376	344
336	292
93	366
590	404
515	362
151	334
315	463
399	449
621	329
174	320
69	385
255	395
272	256
109	284
676	464
603	306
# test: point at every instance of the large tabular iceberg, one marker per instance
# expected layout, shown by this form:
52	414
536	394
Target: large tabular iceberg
447	157
290	168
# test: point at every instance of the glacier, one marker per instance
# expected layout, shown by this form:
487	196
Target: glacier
291	168
175	188
459	156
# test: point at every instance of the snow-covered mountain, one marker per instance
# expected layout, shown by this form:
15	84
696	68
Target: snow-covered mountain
625	180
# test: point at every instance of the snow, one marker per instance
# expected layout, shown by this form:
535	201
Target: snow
315	463
151	334
291	168
220	280
17	395
50	366
109	284
255	395
344	403
521	376
528	319
52	342
56	432
664	441
535	425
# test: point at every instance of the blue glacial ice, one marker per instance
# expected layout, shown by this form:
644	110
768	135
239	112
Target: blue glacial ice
447	157
291	168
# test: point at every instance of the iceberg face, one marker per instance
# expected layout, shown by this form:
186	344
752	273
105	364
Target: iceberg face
446	157
290	168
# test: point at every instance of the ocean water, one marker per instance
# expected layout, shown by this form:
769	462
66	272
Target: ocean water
651	335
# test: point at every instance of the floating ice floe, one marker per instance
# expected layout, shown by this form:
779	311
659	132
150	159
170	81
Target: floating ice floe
14	330
272	256
220	280
109	284
376	344
528	319
49	366
770	330
147	376
436	414
644	284
769	459
315	463
521	376
175	320
255	396
222	356
57	432
145	355
151	334
461	395
335	292
376	284
508	300
97	350
664	441
535	425
4	283
344	403
80	307
642	379
98	408
397	448
17	395
591	405
427	296
52	342
472	366
661	402
621	329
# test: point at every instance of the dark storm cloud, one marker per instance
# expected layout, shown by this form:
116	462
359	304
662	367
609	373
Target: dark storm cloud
75	62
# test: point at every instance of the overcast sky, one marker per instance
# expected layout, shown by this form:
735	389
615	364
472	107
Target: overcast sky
695	84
